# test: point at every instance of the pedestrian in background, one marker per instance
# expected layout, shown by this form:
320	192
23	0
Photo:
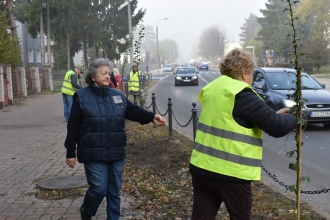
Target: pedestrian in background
96	135
134	83
147	68
227	152
118	78
69	87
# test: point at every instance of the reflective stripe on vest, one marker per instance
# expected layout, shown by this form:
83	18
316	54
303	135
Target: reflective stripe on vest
67	87
221	145
134	81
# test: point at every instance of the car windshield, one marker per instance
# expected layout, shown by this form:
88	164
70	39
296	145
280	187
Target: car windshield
186	70
287	80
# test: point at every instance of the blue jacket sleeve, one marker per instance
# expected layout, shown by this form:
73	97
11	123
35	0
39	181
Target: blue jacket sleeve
73	128
74	81
138	114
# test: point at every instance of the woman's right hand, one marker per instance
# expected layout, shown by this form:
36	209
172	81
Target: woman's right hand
283	111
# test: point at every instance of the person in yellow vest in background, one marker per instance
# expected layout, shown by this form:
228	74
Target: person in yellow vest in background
134	84
69	87
227	151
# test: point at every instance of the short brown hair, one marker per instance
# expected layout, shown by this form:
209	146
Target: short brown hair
236	61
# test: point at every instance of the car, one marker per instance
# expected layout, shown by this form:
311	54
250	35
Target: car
274	84
203	66
184	65
168	68
186	76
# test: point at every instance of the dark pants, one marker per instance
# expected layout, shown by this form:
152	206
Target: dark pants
208	196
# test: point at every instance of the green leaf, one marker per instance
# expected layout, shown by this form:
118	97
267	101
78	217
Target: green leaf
293	166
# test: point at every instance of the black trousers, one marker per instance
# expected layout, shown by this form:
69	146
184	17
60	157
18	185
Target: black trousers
208	196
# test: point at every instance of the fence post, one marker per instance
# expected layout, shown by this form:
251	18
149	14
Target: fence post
35	68
170	130
23	80
2	90
153	98
194	118
10	85
50	77
126	88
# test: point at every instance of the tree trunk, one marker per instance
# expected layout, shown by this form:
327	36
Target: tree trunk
68	50
85	54
42	42
12	22
49	50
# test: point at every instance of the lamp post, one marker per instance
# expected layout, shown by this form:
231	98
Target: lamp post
157	43
251	47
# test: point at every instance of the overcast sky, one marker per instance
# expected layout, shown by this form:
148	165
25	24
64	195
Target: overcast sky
188	18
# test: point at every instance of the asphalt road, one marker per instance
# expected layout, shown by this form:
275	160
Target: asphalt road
316	148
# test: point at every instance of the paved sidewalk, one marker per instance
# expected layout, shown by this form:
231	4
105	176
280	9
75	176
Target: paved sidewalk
31	149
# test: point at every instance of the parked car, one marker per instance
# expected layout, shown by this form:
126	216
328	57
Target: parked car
186	76
273	85
168	68
203	66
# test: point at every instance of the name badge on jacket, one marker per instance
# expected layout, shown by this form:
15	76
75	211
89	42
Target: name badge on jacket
117	99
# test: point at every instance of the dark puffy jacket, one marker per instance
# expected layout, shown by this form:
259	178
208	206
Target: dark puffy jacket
97	124
102	135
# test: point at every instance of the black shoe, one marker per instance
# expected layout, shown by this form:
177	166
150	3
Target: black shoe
84	215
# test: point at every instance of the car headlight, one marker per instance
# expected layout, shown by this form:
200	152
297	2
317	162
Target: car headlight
178	77
194	77
288	103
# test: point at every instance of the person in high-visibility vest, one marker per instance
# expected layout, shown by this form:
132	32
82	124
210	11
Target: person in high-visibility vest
227	151
69	87
134	83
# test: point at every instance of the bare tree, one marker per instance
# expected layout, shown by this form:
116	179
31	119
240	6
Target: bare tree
211	42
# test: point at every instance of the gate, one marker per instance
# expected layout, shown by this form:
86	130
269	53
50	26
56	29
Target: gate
44	79
30	82
5	83
17	83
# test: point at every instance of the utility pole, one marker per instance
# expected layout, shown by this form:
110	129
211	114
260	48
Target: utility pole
49	50
130	31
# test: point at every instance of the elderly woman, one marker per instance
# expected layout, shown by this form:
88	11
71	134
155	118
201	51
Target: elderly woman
96	134
227	153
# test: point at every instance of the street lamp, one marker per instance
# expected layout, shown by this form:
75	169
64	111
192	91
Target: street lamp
157	43
251	47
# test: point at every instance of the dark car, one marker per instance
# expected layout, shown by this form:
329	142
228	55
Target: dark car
186	76
273	85
203	66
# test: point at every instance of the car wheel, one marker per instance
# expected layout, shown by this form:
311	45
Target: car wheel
175	84
326	125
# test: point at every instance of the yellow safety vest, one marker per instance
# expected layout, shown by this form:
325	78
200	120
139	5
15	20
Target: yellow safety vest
67	87
221	144
134	81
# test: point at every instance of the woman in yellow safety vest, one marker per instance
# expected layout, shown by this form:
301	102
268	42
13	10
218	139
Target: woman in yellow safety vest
134	84
227	151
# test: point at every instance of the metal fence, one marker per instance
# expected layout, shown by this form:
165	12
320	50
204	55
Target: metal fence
31	85
44	79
